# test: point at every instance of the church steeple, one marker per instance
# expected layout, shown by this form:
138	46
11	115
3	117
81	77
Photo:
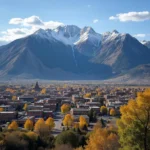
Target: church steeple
37	88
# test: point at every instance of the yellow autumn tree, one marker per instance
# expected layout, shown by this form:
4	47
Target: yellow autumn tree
82	122
102	139
14	98
87	95
13	125
112	112
103	110
65	108
134	125
76	125
43	91
39	124
41	128
28	124
1	109
50	122
25	107
68	120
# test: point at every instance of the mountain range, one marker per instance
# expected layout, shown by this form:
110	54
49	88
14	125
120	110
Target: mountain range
72	53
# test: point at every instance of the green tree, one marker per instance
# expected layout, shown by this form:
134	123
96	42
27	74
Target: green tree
67	137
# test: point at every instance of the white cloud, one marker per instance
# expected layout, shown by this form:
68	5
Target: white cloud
27	26
132	16
15	21
141	35
30	21
95	21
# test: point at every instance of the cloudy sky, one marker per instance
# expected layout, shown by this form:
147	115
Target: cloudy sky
20	18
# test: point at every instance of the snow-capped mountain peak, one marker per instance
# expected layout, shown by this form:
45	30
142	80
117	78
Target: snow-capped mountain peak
70	35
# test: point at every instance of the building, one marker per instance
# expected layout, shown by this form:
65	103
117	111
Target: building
95	109
7	116
79	111
26	98
7	108
36	113
37	88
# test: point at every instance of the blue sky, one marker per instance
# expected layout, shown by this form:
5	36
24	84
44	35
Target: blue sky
77	12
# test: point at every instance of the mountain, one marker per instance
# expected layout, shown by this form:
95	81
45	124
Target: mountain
69	52
50	54
121	51
146	43
137	75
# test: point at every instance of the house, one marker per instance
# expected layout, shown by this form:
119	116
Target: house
95	109
80	105
48	114
7	108
26	98
76	98
79	111
7	116
36	113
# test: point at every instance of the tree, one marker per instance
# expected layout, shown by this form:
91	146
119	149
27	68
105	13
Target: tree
103	110
63	147
67	137
50	122
28	124
14	141
43	91
13	125
134	125
32	135
112	112
65	108
25	107
82	122
1	109
68	120
14	98
87	95
102	139
41	128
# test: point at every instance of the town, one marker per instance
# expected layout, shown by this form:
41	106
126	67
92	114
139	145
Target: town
62	106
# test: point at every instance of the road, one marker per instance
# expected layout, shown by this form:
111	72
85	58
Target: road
58	120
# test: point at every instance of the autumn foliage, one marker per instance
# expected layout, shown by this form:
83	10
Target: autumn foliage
25	107
82	122
50	122
87	95
112	112
68	120
134	125
13	125
102	139
65	108
103	110
1	109
28	124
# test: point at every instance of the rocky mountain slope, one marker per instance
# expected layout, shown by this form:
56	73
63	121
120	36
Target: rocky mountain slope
138	75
